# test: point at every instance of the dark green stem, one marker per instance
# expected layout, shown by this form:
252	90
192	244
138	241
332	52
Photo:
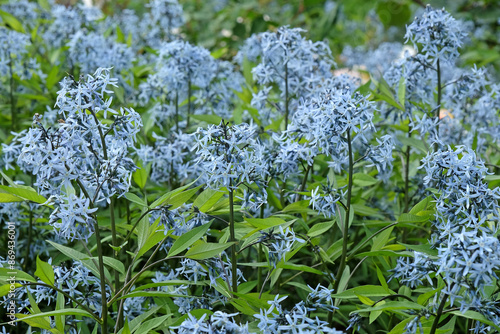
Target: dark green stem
232	239
259	255
438	315
286	97
177	111
189	103
115	244
100	255
304	182
12	100
347	214
407	176
438	109
104	303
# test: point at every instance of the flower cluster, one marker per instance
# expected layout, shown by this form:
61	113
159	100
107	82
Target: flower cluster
278	244
13	50
229	155
276	319
467	217
219	322
328	120
285	58
81	150
438	34
92	50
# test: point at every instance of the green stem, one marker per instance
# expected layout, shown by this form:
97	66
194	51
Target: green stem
189	103
100	255
176	111
347	214
438	109
304	182
12	100
286	97
86	308
27	259
233	239
259	254
104	303
115	253
407	176
438	314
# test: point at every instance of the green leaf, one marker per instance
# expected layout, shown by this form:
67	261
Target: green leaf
344	280
38	323
152	324
44	271
209	119
263	223
135	199
6	274
424	205
153	240
168	195
113	263
60	319
385	252
363	180
45	4
126	328
401	91
395	305
426	249
364	290
137	321
9	198
52	77
149	294
381	239
297	207
476	316
363	210
187	239
381	278
26	193
181	198
11	21
413	142
140	176
204	251
5	288
292	266
247	72
68	311
409	218
320	228
206	200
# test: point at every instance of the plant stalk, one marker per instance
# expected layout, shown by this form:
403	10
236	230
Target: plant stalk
232	239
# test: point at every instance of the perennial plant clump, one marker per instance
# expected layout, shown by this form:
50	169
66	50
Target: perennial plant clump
166	171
